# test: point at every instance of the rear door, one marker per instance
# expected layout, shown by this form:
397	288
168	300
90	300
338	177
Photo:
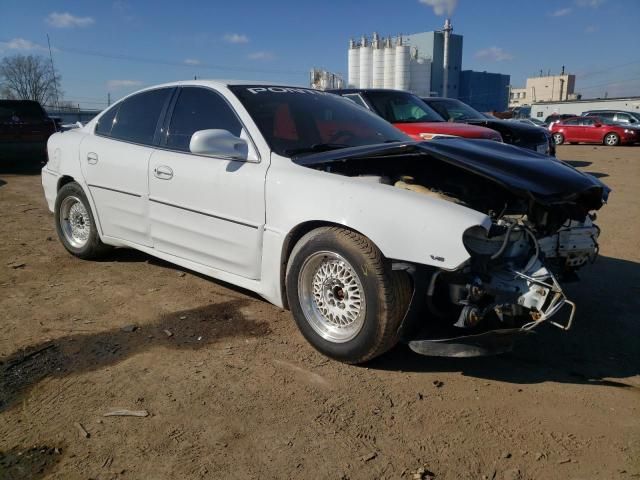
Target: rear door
571	130
115	163
588	130
209	210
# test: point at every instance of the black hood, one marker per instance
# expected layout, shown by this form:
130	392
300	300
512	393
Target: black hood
525	173
516	133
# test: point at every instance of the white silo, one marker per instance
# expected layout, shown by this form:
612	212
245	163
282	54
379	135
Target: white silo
366	64
389	64
378	62
402	73
420	76
353	67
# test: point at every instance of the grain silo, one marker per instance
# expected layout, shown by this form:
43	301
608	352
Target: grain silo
366	64
389	64
353	77
378	62
402	73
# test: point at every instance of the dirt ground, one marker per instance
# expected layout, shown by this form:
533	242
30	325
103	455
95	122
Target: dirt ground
234	391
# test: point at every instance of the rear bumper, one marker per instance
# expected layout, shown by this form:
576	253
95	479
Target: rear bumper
50	186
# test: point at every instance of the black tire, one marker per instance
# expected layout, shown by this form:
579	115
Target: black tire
92	247
558	138
386	293
611	139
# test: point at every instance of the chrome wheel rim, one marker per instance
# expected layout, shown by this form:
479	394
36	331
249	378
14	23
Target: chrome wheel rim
611	139
332	297
558	139
75	222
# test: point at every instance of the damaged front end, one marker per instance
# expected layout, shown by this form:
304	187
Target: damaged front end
542	230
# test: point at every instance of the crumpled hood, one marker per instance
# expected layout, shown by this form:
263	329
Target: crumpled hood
528	174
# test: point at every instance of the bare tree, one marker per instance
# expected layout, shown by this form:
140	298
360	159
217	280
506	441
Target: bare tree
29	77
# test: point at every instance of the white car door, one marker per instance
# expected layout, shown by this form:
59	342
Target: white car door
205	209
115	162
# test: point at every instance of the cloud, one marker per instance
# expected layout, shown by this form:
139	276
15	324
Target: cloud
493	54
441	7
66	20
235	38
589	3
115	84
261	56
191	61
20	44
591	29
561	12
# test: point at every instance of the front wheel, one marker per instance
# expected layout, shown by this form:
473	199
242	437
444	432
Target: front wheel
611	139
344	296
558	138
75	223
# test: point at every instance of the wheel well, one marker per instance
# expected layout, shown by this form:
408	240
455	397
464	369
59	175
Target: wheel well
290	241
63	181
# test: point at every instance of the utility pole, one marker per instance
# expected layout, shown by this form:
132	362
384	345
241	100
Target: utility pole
53	73
108	99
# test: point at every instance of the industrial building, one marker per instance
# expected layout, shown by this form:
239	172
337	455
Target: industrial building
545	88
388	63
543	109
486	92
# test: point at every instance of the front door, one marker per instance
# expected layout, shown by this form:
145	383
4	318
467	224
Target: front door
115	162
205	209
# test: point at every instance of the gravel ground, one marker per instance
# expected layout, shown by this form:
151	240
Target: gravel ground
232	390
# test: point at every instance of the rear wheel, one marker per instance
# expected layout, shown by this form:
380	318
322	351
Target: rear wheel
611	139
558	138
75	224
344	296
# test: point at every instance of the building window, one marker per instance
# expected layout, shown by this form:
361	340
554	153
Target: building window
524	94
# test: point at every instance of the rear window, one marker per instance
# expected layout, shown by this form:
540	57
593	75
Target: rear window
20	111
138	116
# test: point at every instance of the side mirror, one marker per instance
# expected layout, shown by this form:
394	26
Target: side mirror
219	143
597	125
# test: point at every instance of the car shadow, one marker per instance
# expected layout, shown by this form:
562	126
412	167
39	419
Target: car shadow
577	163
77	353
600	348
2	183
130	255
597	174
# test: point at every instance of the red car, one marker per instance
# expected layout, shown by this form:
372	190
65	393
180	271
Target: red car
593	130
412	116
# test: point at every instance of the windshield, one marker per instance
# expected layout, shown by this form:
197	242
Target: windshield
295	121
401	107
454	110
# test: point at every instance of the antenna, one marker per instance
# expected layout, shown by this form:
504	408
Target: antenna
53	73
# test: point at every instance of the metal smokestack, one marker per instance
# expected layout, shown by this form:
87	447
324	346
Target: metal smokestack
445	65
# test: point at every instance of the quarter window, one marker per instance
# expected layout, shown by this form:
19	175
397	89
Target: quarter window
138	116
356	99
199	109
105	122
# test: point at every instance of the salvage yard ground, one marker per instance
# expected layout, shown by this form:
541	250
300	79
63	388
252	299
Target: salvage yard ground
232	390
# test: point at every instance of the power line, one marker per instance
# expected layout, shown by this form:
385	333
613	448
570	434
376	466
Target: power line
610	83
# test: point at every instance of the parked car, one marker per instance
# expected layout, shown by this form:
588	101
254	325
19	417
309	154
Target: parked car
24	130
556	117
530	121
593	130
524	136
324	208
617	116
410	115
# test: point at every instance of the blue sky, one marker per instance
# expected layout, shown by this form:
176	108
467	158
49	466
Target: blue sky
118	46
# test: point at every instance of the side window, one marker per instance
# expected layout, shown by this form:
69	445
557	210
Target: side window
573	121
623	118
199	109
138	116
105	122
587	122
354	97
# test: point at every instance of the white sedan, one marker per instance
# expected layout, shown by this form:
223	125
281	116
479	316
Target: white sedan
324	208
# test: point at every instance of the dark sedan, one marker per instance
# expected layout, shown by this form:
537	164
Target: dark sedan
517	134
24	130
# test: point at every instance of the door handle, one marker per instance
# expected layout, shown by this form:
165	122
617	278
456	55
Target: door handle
163	172
92	158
